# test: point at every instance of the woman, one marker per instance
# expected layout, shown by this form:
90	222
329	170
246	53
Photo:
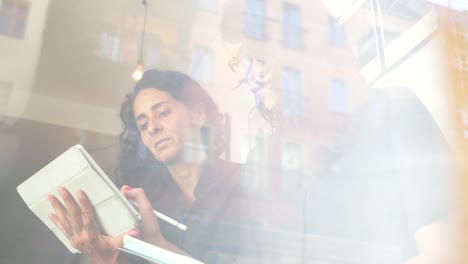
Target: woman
168	154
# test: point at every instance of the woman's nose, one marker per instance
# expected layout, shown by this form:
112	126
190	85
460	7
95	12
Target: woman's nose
154	127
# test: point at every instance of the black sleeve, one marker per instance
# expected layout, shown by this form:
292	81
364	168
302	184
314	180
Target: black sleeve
393	177
422	161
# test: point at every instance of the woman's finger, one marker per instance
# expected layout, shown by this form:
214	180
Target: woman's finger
55	220
87	213
149	225
139	196
73	210
144	205
133	232
61	218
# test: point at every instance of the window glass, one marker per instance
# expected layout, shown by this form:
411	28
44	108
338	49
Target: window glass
4	24
338	96
291	86
19	28
254	19
22	11
277	131
336	33
291	26
202	64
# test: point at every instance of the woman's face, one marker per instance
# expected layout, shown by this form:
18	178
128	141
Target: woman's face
164	124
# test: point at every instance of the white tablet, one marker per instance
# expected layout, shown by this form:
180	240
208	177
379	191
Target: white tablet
75	169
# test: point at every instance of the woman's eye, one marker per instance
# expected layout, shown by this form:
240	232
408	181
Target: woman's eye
165	113
143	127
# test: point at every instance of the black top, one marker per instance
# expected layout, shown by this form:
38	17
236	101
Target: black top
212	220
392	177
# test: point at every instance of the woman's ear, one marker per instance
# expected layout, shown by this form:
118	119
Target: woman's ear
198	115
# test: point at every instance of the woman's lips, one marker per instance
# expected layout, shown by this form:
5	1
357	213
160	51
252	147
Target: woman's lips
162	143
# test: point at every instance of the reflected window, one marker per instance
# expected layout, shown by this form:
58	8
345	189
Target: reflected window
291	26
110	47
292	162
195	153
291	156
336	33
338	101
256	179
210	5
367	46
460	53
202	64
5	93
291	91
409	10
461	61
464	115
13	17
255	19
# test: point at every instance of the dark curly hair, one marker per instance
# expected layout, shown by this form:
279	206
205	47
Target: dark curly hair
136	166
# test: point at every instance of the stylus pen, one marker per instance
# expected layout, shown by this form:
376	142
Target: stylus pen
164	217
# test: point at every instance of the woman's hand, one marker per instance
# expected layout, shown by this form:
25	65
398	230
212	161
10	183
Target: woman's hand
78	223
149	225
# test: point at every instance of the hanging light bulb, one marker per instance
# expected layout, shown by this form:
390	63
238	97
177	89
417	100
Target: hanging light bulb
138	72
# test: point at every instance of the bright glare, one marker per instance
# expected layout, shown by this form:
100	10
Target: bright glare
138	73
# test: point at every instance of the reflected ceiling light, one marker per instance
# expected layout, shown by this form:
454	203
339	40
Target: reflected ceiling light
138	72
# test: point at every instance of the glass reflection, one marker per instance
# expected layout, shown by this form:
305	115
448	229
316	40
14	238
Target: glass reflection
349	118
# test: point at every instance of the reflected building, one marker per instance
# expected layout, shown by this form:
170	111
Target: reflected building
457	36
317	75
395	37
66	66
